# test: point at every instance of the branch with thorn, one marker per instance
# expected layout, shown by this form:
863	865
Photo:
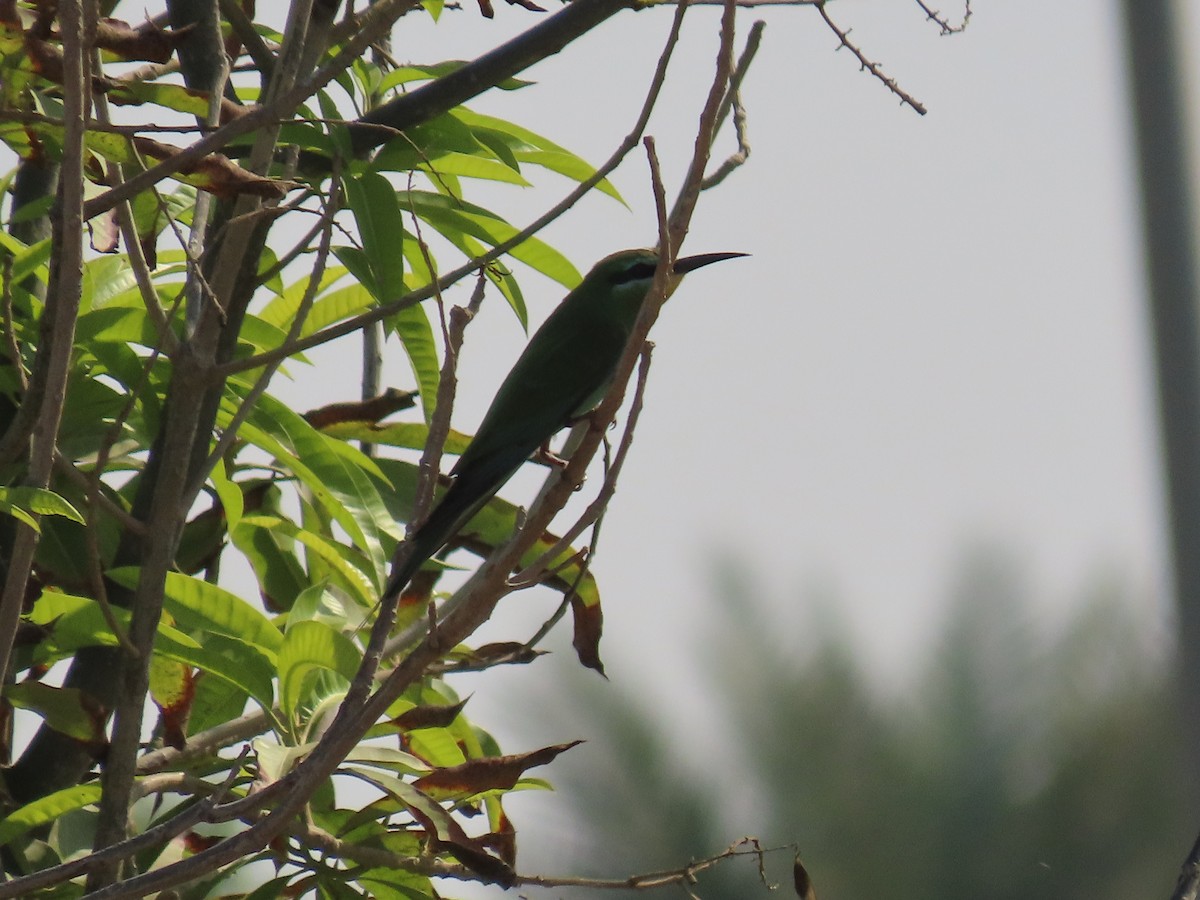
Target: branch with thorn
868	65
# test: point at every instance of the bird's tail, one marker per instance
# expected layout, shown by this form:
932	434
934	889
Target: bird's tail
455	509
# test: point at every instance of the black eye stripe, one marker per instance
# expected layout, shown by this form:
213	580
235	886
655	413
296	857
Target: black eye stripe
635	272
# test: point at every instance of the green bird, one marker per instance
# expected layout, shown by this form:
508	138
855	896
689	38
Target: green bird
564	372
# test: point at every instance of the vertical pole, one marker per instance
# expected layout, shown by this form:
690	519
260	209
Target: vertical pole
1169	238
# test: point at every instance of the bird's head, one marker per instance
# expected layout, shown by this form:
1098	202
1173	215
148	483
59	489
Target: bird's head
627	275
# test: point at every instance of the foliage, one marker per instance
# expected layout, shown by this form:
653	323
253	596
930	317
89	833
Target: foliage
1015	764
143	451
152	289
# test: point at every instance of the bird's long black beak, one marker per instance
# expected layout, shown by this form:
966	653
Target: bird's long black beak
691	263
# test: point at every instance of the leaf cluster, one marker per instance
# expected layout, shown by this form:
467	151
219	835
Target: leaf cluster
185	309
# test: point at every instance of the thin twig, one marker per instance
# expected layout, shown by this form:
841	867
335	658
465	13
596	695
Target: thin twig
256	47
867	65
683	876
733	101
133	247
443	403
127	522
938	19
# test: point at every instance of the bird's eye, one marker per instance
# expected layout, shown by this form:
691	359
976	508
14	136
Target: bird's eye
636	272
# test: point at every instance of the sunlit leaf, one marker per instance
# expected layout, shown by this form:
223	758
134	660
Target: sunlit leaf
531	147
468	166
451	216
372	199
39	500
307	647
200	605
351	566
48	809
69	711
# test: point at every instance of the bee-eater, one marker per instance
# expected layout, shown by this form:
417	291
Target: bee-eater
564	372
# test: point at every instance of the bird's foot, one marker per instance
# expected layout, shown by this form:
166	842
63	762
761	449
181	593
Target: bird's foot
546	457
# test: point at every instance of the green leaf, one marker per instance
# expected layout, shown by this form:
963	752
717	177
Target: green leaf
280	575
532	147
281	311
473	166
73	622
381	227
46	810
335	473
308	647
354	569
412	326
26	259
457	217
233	502
504	280
241	664
337	306
277	760
172	96
388	758
424	143
438	746
21	500
63	709
104	278
198	605
410	435
117	324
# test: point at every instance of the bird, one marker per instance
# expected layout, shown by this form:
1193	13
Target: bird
564	372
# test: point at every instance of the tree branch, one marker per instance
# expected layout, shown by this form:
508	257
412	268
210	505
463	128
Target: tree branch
867	65
48	381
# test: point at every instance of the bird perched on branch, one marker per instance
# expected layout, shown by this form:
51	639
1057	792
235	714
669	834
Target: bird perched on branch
563	373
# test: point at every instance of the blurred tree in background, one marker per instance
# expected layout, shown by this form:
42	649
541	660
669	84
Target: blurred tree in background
1016	764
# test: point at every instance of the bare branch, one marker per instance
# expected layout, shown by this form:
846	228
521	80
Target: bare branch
684	876
866	64
938	19
733	101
